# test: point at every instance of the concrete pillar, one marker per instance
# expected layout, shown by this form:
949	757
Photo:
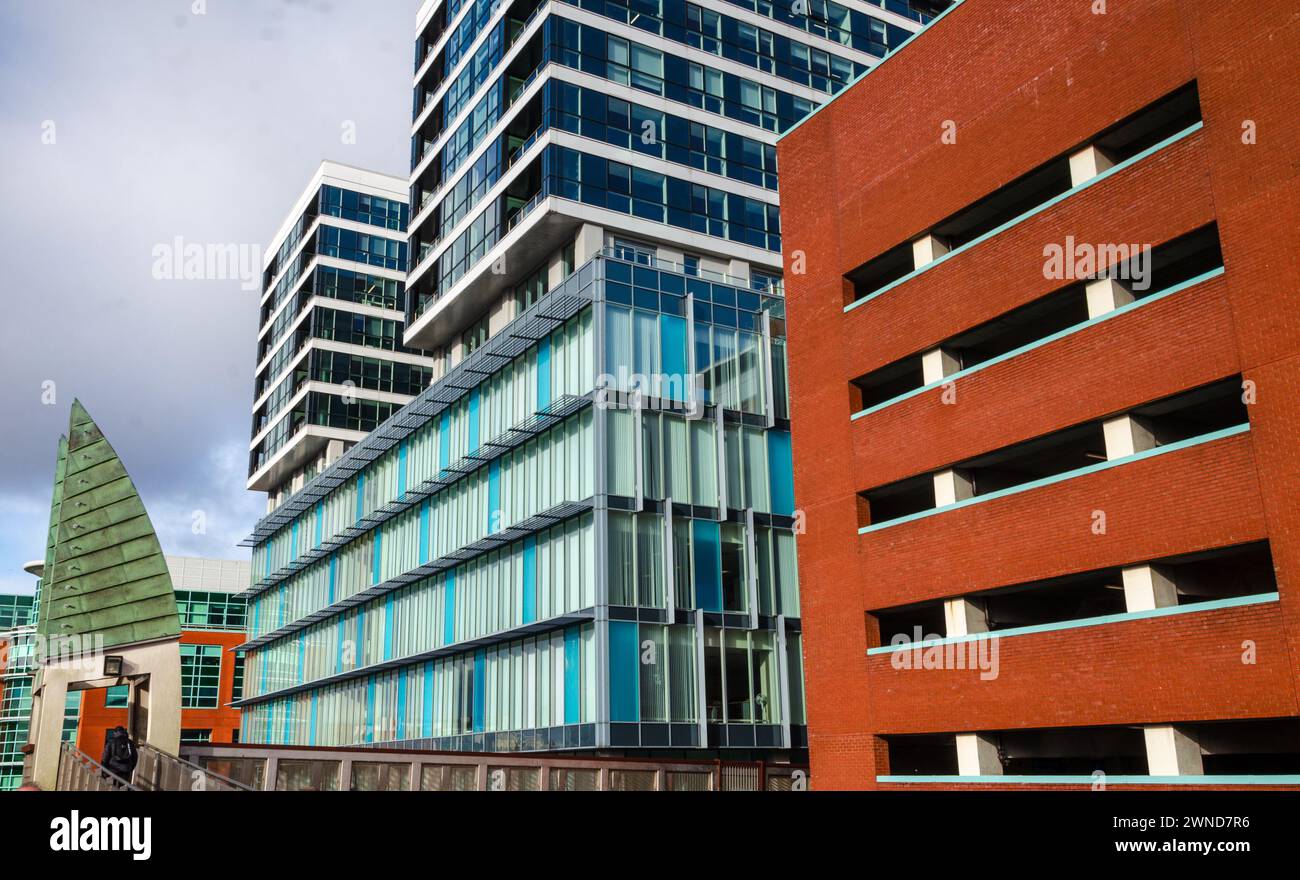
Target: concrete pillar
501	314
1088	163
1106	295
938	363
951	486
712	268
1172	751
1147	587
670	255
46	730
962	617
927	249
977	756
1126	436
333	451
589	241
738	269
555	272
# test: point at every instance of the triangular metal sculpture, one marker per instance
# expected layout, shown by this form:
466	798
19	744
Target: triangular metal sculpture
105	572
107	611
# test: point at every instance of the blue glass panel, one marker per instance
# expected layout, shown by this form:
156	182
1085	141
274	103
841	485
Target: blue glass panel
623	698
672	350
401	468
449	609
424	532
708	564
473	420
480	685
572	675
530	579
780	472
544	372
370	709
494	496
444	440
401	703
389	609
426	729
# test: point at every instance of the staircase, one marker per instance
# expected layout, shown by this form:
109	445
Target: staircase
156	770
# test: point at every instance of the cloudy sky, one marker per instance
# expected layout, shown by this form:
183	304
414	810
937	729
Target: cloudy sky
124	125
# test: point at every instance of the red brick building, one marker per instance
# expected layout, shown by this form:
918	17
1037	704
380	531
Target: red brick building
1044	318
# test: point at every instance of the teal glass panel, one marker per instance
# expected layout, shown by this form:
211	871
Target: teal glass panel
623	698
780	472
706	537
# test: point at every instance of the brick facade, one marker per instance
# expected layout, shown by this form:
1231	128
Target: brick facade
1024	82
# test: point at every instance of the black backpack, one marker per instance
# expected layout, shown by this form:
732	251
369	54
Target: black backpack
123	751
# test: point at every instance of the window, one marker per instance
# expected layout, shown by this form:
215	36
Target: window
117	697
237	691
191	735
476	335
200	676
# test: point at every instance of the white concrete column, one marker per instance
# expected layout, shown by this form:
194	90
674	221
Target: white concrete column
46	730
927	249
1126	436
938	363
590	240
555	272
738	269
1172	751
977	756
962	617
1106	295
951	486
333	451
670	255
1147	587
1088	163
501	314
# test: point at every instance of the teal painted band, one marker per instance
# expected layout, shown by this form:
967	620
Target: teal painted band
1279	779
1014	221
1046	340
868	71
1102	620
1061	477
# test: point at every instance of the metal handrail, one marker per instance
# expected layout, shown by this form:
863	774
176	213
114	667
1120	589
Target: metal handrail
163	771
80	772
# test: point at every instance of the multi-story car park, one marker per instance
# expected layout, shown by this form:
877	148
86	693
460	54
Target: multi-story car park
1043	362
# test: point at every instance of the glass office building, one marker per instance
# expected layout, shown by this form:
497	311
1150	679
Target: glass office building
331	364
580	537
17	614
581	534
17	675
544	128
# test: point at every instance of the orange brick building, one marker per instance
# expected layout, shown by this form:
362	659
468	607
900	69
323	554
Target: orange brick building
1044	358
217	725
213	623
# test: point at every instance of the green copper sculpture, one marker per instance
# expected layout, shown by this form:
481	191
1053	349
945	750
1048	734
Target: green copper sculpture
104	569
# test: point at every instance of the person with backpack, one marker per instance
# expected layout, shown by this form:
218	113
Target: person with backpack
120	753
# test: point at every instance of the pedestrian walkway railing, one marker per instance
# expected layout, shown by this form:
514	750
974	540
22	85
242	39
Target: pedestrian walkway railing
294	768
80	772
159	771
